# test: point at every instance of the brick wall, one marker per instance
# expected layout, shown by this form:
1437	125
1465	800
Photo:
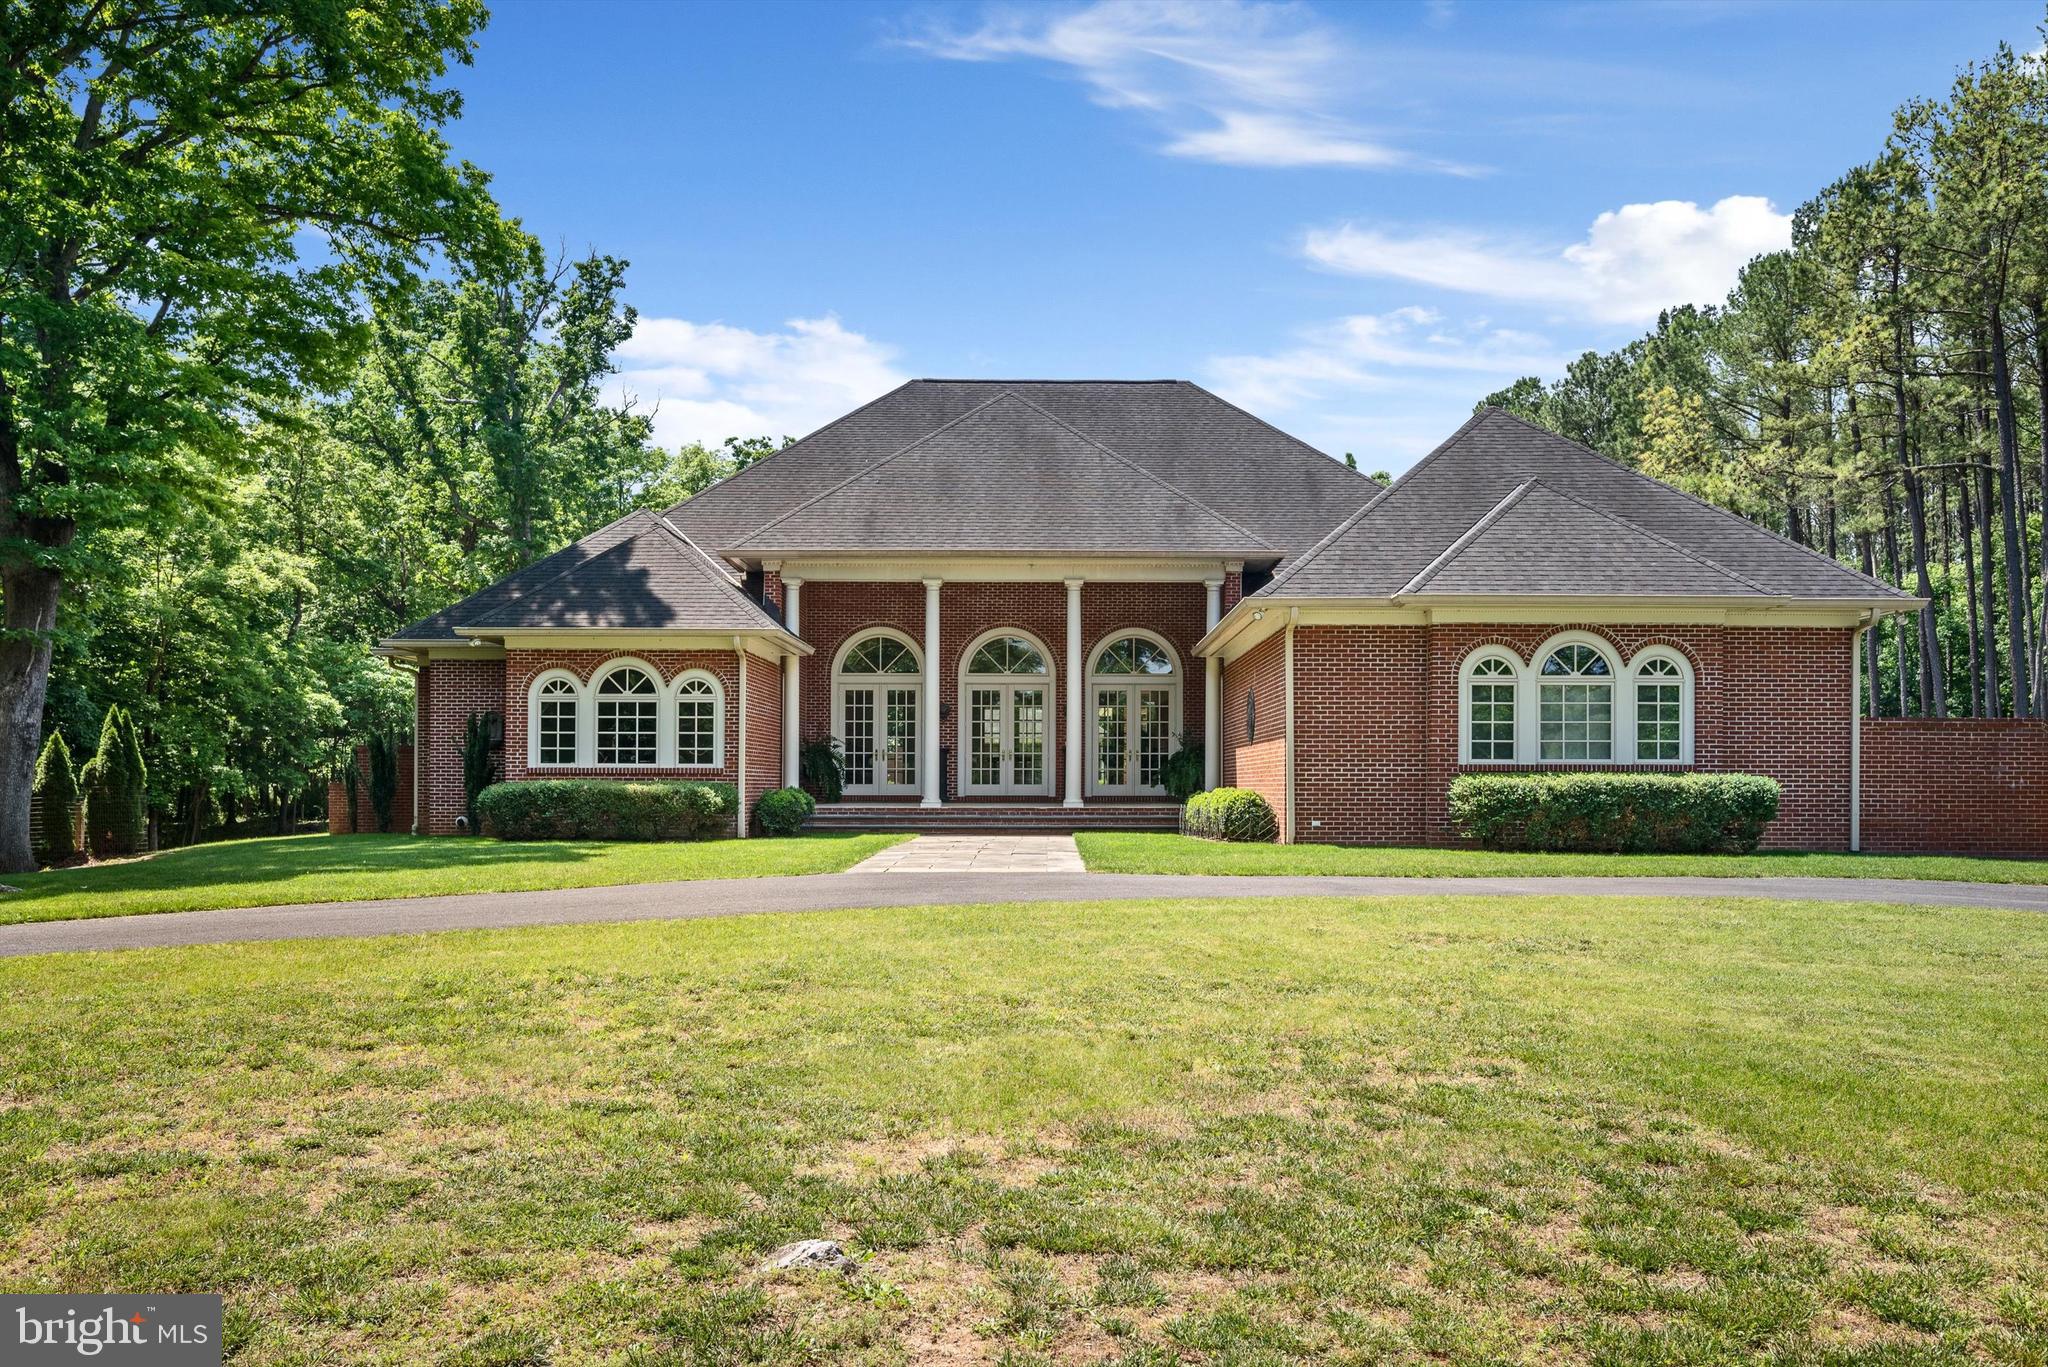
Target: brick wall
451	690
1255	737
1960	786
764	730
832	613
366	812
1376	721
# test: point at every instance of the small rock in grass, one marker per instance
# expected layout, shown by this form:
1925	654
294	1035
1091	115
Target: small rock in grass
811	1254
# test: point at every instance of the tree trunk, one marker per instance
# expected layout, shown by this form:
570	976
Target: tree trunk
1892	576
31	595
1870	644
1933	693
1969	530
2016	596
1988	652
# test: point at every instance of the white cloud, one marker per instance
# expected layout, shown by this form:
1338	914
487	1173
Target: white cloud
1379	352
709	381
1633	262
1239	82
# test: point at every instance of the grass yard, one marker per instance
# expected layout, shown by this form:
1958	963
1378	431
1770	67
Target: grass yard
321	868
1156	852
1263	1132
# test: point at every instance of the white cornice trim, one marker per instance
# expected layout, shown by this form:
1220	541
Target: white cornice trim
769	644
1002	569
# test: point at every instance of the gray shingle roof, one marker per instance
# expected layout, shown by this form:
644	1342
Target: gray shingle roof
1283	491
1005	476
1627	549
647	577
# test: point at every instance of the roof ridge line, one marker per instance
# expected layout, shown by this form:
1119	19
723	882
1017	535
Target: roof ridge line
724	571
1276	431
870	469
1712	507
1123	459
1288	570
1468	536
808	436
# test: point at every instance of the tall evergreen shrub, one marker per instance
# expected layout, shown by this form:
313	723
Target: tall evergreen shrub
116	785
58	793
383	777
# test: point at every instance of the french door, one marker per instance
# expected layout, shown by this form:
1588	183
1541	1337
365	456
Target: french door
878	727
1004	751
1133	735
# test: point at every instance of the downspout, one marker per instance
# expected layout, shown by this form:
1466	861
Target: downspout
1287	747
1856	733
739	648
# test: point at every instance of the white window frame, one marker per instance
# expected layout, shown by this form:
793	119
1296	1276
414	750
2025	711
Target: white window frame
1618	697
664	713
1685	704
963	714
841	681
580	746
1518	679
674	699
1176	719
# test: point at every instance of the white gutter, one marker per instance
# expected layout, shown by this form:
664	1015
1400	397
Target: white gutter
739	650
1287	746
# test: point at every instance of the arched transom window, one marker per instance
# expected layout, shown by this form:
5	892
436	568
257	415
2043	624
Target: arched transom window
1133	655
1006	655
1135	692
697	722
880	655
628	711
877	702
1574	703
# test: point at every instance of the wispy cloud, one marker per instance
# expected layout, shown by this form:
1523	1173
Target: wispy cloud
1633	262
709	381
1238	82
1378	352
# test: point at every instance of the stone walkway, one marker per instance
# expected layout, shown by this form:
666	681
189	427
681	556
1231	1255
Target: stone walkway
977	854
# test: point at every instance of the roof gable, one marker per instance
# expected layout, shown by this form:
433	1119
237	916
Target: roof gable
1283	491
1004	476
1538	540
1379	550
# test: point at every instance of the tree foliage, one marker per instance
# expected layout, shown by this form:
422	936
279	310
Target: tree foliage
116	783
57	798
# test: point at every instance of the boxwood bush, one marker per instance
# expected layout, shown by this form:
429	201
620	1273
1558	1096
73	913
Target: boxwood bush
607	809
1229	814
783	811
1615	813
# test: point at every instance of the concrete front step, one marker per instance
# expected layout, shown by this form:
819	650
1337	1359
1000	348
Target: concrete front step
1042	818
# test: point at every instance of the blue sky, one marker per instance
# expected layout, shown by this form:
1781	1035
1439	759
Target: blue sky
1355	220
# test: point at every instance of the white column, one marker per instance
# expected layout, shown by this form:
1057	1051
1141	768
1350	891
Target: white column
1212	695
739	648
929	723
792	692
1076	684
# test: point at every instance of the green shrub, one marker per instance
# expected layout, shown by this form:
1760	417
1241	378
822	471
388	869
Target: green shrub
1183	774
822	767
56	834
1229	814
783	811
383	777
116	783
479	762
1615	813
607	809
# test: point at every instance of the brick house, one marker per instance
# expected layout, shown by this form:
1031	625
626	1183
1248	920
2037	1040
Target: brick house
1013	599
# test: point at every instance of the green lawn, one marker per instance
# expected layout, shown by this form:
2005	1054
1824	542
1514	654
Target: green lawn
1147	852
320	868
1424	1129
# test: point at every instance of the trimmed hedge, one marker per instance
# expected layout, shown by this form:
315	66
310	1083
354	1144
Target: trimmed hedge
1615	813
1237	814
607	809
783	811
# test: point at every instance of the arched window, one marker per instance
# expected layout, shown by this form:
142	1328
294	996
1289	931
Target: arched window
1662	709
700	738
1575	705
876	700
1135	690
555	706
1490	710
1005	716
627	706
1006	655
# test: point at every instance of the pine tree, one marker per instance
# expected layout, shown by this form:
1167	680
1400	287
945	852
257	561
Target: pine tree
57	791
117	789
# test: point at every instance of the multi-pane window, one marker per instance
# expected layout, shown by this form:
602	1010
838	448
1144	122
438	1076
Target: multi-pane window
1492	710
880	655
1133	655
1575	705
1007	655
1659	711
626	705
555	718
697	722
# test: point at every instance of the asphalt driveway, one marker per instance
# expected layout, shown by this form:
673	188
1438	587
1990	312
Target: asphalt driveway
825	892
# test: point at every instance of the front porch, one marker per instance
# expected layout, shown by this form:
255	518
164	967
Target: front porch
1008	817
